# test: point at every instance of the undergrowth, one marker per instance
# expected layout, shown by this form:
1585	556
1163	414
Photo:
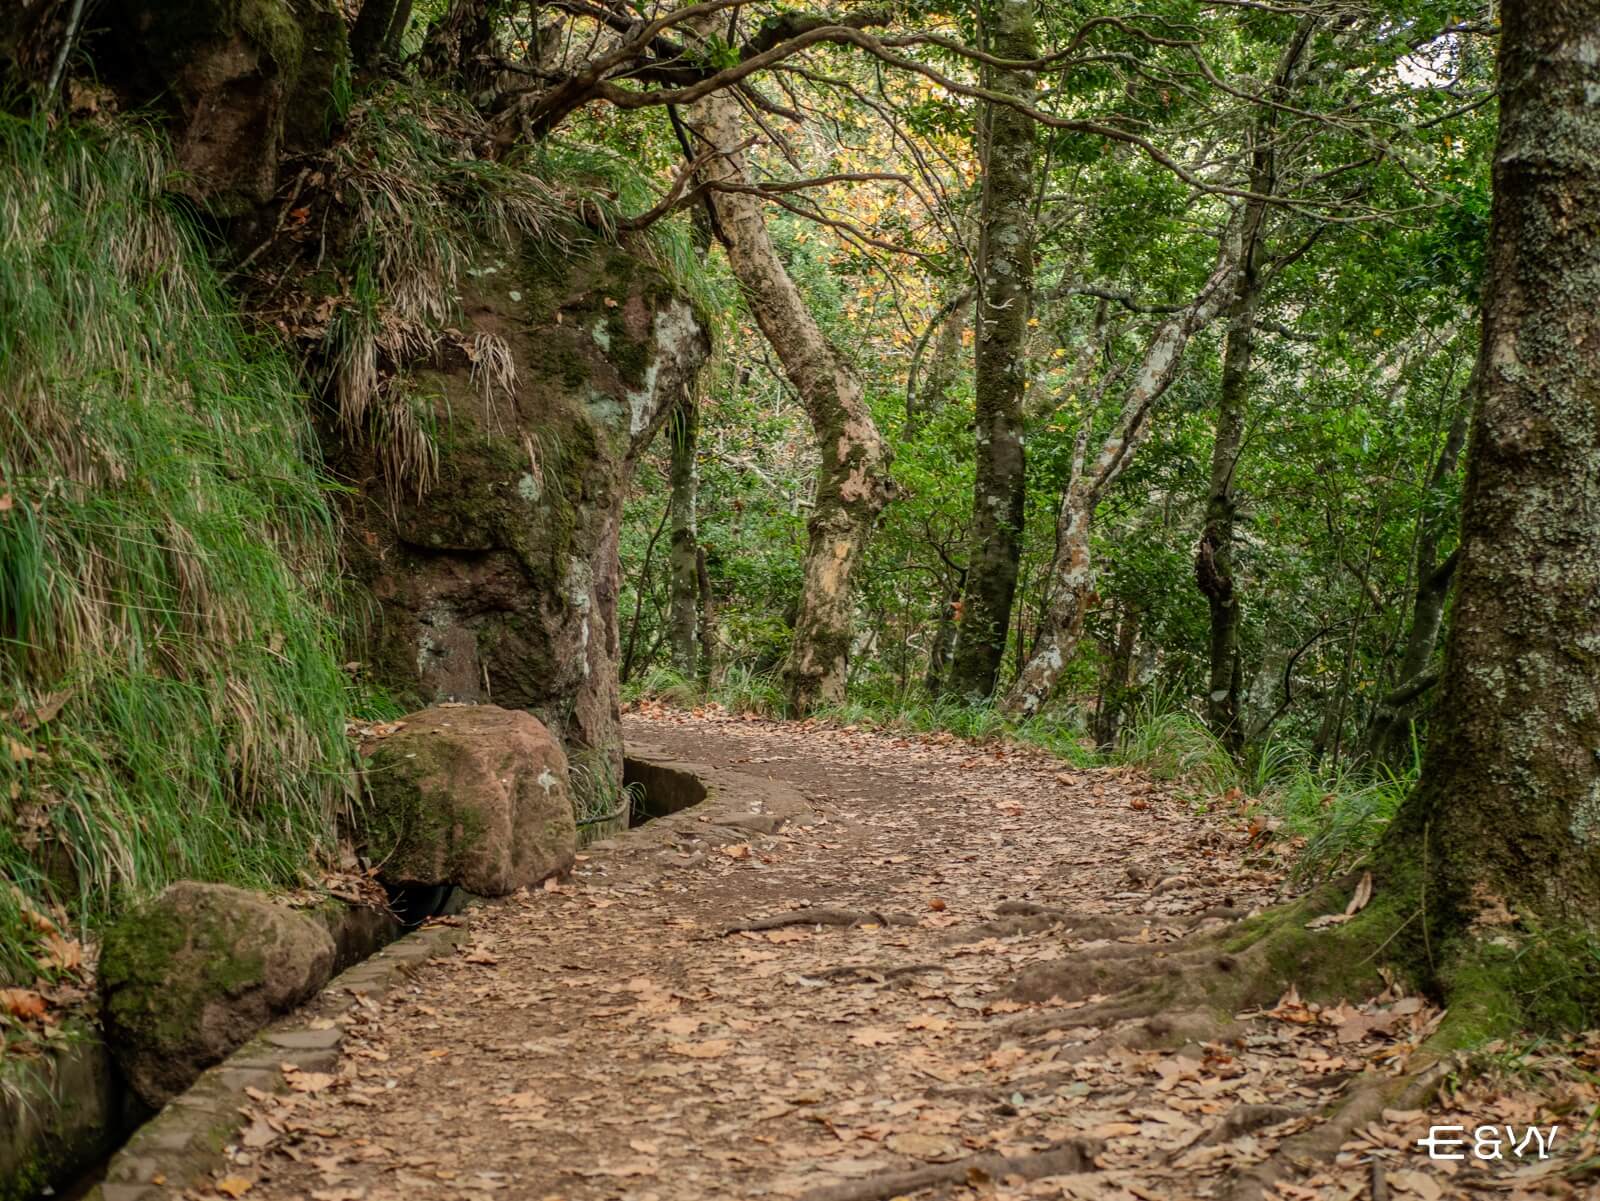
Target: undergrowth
169	682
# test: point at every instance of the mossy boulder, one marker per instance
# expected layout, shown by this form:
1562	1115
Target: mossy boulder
193	974
471	795
500	582
242	82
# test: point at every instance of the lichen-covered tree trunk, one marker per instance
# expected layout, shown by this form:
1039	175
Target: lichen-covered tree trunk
1005	282
1071	588
682	579
1119	684
1498	848
853	482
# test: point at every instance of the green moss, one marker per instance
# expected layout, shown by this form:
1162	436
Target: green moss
409	821
161	966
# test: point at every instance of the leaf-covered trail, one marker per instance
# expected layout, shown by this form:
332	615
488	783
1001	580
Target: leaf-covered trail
606	1039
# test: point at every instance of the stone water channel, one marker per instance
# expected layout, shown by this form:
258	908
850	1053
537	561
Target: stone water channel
70	1127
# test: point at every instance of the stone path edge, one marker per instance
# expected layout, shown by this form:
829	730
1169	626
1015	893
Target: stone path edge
186	1140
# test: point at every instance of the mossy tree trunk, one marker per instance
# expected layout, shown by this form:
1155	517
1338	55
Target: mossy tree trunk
853	482
1497	851
1005	283
682	559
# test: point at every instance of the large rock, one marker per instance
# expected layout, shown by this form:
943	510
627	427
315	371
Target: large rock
471	795
196	972
242	82
501	583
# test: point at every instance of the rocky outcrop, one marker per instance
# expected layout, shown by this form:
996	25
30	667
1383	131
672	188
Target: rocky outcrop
195	973
469	795
243	82
500	583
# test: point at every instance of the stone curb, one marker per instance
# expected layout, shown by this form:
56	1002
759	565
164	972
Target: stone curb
184	1143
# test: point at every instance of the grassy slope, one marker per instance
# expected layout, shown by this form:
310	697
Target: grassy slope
170	694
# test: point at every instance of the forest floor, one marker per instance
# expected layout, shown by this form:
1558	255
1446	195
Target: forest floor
604	1038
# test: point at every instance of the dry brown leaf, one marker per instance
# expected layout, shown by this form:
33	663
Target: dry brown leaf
712	1048
22	1003
874	1036
234	1186
1363	894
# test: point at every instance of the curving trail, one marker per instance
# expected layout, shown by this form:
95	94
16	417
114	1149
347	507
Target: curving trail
606	1039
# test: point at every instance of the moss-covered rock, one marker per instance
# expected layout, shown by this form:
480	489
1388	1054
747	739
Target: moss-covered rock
471	795
501	582
193	974
243	81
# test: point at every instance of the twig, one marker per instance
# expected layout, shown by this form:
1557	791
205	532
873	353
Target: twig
1074	1155
58	67
821	917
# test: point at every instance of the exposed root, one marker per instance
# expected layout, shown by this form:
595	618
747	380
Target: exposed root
821	917
1172	970
877	975
1073	1155
1028	917
1365	1101
1244	1119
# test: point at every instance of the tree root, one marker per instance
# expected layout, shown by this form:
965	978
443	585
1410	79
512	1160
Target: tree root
1366	1100
1028	917
878	975
821	917
1073	1155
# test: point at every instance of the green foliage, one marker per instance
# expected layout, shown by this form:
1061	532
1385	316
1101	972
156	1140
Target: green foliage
168	652
1339	812
1172	743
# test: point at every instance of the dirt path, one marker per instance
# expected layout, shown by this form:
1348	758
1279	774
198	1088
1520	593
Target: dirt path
604	1039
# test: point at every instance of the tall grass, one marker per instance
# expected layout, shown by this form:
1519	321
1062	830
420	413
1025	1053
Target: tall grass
1339	813
169	684
1170	742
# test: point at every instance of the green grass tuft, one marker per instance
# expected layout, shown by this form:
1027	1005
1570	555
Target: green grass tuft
169	680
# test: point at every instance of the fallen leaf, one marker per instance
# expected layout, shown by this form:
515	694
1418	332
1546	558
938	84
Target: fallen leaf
924	1146
234	1186
874	1036
712	1048
22	1003
1363	894
310	1082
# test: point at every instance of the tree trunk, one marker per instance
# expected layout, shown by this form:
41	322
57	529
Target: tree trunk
1071	570
1506	816
853	482
1389	736
683	583
706	630
944	642
928	389
1005	281
1118	685
1214	559
369	36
